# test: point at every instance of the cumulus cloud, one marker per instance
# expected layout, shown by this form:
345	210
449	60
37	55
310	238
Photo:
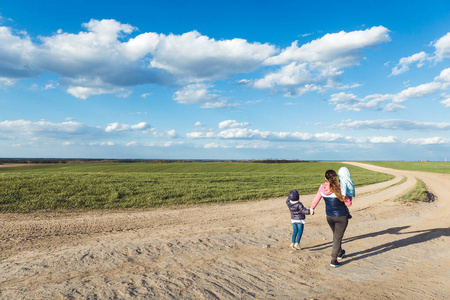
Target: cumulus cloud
194	57
68	131
249	135
232	124
169	134
442	50
199	124
375	140
45	128
292	74
199	93
17	53
405	62
116	126
392	124
338	50
442	46
349	101
94	61
318	64
427	141
255	134
6	82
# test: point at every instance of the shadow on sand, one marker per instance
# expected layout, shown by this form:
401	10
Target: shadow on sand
420	236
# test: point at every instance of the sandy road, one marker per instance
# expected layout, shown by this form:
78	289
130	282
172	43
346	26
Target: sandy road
231	251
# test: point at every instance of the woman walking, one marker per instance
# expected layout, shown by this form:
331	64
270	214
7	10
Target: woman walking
336	209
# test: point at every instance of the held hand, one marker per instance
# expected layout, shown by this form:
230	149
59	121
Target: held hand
311	211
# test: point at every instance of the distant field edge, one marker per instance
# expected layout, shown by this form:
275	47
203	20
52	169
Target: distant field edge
442	167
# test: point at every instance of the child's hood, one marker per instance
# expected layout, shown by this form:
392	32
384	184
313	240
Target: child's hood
326	189
344	173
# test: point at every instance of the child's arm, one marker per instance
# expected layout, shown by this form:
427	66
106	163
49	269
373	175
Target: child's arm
304	210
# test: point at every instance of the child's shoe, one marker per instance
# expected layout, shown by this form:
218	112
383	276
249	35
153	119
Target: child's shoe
335	264
297	247
341	254
292	246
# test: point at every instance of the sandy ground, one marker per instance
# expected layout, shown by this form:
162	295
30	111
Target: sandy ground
241	250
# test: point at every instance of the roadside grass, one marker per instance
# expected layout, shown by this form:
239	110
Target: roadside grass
418	194
85	186
421	166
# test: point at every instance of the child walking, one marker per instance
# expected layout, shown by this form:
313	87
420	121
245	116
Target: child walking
298	212
347	186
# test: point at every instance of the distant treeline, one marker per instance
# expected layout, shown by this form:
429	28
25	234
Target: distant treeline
87	160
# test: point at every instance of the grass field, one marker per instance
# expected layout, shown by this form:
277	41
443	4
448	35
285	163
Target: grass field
419	193
83	186
421	166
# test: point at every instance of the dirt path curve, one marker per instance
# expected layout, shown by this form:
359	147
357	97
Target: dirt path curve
234	251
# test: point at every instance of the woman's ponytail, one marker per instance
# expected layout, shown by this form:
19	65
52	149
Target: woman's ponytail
331	176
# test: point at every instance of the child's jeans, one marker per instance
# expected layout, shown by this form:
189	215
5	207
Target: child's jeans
298	231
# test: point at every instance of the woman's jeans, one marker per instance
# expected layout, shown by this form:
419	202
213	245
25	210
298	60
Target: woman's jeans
338	226
298	231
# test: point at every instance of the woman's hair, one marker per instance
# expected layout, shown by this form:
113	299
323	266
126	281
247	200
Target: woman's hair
331	176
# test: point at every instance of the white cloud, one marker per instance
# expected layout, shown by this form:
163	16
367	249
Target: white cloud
252	135
94	61
348	101
194	57
336	50
392	124
382	140
292	74
7	81
446	102
105	143
199	124
240	145
444	76
17	53
427	141
199	93
405	62
116	126
443	47
255	134
50	86
86	92
232	124
170	133
201	135
391	107
417	91
317	65
48	129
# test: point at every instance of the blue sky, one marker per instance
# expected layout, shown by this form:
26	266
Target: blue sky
317	80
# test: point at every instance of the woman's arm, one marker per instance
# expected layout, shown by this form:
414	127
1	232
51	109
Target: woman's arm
316	199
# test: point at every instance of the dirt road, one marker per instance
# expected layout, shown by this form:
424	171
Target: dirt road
230	251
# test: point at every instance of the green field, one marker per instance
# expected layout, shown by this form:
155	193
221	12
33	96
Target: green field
421	166
81	186
418	193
